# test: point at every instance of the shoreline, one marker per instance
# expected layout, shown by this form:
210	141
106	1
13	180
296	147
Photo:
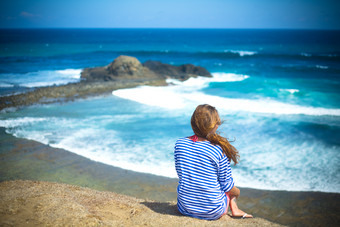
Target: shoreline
23	159
72	91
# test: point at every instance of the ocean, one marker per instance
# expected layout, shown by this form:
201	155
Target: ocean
278	92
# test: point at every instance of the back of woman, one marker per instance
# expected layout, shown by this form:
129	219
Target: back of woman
202	170
206	186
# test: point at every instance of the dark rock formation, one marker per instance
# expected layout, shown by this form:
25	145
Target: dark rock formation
126	67
181	72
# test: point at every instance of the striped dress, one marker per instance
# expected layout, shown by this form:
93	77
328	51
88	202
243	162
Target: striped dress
204	176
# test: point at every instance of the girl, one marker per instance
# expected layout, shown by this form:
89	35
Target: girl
206	187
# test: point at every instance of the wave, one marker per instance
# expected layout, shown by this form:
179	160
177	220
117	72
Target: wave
98	144
176	96
201	82
241	53
6	85
308	68
330	55
40	78
321	67
262	163
188	94
98	57
223	54
107	147
306	55
319	55
291	91
12	123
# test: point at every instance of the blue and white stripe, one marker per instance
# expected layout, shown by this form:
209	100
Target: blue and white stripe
204	176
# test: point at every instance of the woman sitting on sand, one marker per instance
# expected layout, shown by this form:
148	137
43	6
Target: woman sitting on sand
206	187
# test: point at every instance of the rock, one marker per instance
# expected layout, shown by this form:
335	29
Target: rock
195	70
123	67
181	72
126	67
95	74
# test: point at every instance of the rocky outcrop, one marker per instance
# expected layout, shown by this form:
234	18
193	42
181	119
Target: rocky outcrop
126	67
123	67
123	72
181	72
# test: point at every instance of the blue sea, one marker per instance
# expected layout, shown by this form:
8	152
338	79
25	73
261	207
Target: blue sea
278	92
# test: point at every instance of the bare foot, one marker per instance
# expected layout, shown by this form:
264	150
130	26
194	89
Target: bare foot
240	214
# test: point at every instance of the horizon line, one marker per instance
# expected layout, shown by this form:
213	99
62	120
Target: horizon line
172	28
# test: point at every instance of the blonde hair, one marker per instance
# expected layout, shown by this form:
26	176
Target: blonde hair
203	122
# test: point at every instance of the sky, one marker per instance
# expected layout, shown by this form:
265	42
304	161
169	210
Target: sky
253	14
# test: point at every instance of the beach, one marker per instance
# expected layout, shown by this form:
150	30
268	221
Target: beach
26	196
89	114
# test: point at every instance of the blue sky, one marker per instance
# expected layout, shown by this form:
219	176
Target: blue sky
291	14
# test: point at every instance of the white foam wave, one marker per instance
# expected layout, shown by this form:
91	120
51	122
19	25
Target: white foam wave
265	163
42	84
228	77
6	85
70	73
306	55
291	91
321	67
85	138
174	97
187	94
329	55
107	147
201	82
8	110
260	166
17	127
12	123
262	106
41	78
241	52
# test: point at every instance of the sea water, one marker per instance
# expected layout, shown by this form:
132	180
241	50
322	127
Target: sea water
278	92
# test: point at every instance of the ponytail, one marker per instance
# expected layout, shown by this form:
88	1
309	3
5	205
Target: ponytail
229	150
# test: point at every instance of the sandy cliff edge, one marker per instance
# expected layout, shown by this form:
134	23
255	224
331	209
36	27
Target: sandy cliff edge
37	203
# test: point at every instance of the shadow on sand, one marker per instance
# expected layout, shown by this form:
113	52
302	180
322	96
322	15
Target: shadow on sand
163	208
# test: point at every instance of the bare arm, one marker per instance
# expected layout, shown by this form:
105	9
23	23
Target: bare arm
234	192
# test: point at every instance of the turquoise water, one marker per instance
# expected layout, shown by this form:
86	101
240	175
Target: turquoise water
277	90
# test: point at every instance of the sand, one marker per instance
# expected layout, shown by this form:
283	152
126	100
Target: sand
35	203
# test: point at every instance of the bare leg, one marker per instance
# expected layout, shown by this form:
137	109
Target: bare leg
235	211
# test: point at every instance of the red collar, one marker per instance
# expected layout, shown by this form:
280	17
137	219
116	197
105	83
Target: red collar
194	138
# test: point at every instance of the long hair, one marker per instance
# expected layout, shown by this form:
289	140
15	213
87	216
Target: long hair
203	122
